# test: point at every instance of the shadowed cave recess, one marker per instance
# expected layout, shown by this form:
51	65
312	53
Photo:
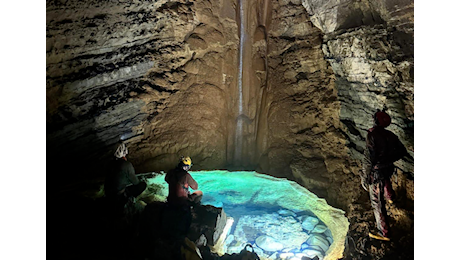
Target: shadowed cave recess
285	88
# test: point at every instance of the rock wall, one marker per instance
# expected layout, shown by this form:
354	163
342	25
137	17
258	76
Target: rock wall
372	58
157	74
97	55
373	72
162	75
199	114
369	45
302	138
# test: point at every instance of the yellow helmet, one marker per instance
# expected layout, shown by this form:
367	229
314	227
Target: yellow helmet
186	161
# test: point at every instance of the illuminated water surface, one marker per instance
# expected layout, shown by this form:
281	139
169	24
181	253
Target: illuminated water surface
278	217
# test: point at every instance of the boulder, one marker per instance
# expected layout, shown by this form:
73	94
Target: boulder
311	253
309	223
269	244
207	220
285	213
319	229
320	241
285	230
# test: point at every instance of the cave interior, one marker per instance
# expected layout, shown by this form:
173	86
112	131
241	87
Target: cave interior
286	89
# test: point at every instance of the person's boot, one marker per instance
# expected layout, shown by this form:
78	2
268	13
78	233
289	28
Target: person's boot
379	236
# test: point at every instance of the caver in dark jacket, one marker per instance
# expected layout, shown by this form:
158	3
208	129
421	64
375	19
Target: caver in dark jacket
121	183
123	180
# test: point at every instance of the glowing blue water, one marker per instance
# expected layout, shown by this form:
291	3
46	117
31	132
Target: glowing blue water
262	206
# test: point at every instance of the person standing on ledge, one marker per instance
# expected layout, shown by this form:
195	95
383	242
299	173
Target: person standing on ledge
121	183
383	148
180	181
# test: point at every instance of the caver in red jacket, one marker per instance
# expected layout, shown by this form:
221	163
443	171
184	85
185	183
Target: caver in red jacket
180	181
383	148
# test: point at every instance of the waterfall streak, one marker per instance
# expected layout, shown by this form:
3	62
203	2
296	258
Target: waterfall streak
239	124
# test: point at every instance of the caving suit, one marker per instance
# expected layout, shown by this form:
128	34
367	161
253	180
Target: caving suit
121	183
179	182
177	216
382	149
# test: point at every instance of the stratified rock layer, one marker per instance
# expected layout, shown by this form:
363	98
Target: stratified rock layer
300	134
157	74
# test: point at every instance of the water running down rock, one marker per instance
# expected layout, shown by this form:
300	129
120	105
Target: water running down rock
239	123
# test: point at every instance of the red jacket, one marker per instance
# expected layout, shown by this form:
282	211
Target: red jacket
179	182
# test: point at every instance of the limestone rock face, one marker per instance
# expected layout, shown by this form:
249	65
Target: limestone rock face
198	69
373	71
96	58
369	45
334	15
300	132
157	74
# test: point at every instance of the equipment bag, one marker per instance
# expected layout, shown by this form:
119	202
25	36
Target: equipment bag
245	254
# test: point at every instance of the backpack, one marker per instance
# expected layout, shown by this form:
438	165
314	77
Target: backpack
398	151
245	254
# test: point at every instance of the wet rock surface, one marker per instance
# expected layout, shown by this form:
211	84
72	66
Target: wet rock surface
274	223
155	231
275	235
